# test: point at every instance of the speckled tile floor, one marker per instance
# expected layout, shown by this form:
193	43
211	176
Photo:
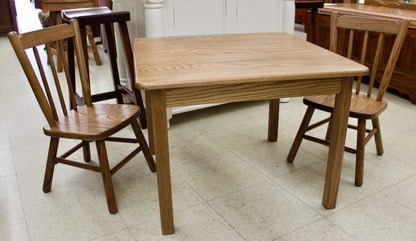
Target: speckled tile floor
228	182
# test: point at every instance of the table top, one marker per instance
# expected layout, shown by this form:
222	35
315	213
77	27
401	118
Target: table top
205	60
380	11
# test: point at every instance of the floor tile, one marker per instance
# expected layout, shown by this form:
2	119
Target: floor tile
66	181
123	235
220	175
12	218
307	184
322	230
195	223
377	218
404	192
264	211
6	163
81	216
270	158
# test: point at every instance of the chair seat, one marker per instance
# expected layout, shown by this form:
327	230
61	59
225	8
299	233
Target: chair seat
93	123
362	106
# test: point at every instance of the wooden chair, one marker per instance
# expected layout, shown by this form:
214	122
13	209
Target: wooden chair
54	7
87	123
363	106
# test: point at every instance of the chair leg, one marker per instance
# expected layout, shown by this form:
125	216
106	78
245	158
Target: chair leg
93	45
50	164
86	151
359	158
299	136
377	136
145	148
124	32
105	172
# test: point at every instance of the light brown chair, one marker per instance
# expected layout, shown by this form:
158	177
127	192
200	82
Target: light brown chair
87	123
363	106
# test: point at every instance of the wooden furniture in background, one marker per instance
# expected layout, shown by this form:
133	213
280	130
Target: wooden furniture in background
106	17
302	6
176	71
54	7
7	16
404	76
363	106
87	123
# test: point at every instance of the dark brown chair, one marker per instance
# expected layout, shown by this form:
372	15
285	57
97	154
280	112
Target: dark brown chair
106	17
363	106
87	123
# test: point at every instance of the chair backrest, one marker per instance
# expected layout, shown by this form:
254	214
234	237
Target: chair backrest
381	27
50	99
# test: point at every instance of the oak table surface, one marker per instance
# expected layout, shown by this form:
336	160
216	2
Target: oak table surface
188	70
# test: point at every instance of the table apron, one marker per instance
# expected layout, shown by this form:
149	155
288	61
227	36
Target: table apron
251	91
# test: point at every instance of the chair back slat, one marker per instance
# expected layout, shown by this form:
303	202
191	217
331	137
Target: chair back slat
350	44
68	76
377	26
45	86
55	76
388	72
38	80
362	60
376	62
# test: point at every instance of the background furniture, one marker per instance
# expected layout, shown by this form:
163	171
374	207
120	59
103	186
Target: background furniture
364	106
404	76
302	6
176	71
76	122
155	18
106	17
54	7
7	16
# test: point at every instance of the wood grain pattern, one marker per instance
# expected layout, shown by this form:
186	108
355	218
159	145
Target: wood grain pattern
158	102
361	105
233	59
93	123
336	145
249	91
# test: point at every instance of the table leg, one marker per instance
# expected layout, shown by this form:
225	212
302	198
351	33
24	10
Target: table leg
161	148
337	142
273	120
